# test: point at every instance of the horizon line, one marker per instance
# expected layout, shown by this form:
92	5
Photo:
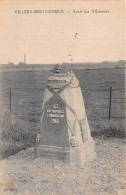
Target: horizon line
105	61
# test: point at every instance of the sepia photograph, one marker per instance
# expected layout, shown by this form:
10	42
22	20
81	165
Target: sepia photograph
62	97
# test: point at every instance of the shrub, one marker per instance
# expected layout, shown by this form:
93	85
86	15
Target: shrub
16	134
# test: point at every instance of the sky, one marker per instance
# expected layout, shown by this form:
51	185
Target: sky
65	37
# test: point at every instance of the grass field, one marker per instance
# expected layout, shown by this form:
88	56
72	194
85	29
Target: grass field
27	90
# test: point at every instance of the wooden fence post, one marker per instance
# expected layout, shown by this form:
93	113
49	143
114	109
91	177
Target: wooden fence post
10	99
110	100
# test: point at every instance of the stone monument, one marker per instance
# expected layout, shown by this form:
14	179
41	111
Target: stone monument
65	133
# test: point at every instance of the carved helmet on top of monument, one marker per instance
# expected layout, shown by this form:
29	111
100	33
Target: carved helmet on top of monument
62	68
62	75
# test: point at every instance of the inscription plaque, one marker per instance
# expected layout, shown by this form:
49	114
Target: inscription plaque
54	129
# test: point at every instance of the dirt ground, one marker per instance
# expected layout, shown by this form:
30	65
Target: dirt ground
105	175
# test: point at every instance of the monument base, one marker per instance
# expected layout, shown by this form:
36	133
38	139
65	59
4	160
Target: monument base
72	155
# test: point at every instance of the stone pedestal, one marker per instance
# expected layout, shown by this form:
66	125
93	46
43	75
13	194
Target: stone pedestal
65	133
72	155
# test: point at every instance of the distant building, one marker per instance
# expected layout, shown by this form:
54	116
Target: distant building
22	64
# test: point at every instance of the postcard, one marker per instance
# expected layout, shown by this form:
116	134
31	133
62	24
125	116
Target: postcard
62	97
